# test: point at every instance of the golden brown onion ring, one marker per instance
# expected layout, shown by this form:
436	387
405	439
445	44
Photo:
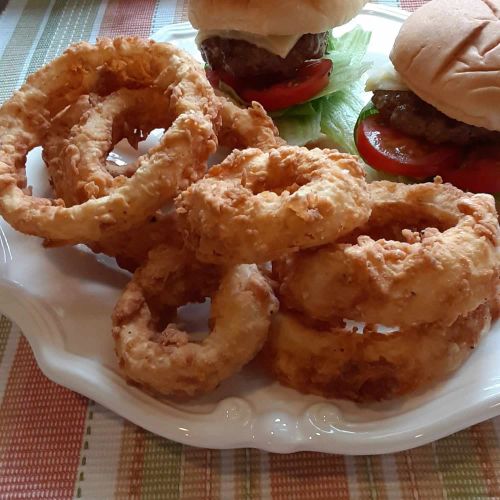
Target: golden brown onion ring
55	141
178	160
368	366
435	275
255	206
164	360
130	248
82	136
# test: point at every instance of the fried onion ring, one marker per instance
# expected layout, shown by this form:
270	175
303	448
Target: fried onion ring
179	159
256	206
436	274
368	366
164	360
80	139
130	248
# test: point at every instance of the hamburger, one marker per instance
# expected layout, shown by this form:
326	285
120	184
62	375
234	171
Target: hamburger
283	55
437	111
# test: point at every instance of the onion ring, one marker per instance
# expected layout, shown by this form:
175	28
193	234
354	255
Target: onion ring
80	139
164	360
368	366
178	160
255	206
435	275
130	248
55	141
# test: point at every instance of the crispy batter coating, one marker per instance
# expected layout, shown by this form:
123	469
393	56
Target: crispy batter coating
257	205
130	248
335	361
248	127
76	150
79	171
241	127
173	164
82	136
170	277
431	274
164	360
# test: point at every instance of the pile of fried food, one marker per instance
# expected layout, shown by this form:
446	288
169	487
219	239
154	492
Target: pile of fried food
302	259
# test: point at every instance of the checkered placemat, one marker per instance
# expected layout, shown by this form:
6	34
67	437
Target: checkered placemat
56	444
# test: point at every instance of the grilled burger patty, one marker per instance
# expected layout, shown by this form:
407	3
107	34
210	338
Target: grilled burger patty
406	112
256	65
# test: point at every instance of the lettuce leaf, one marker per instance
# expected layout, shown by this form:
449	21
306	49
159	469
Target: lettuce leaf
347	54
301	124
334	115
339	114
335	110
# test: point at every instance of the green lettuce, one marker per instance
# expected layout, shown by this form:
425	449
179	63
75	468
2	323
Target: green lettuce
301	124
347	54
335	110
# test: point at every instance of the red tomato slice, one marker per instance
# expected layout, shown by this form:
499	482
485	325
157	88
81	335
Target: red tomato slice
479	173
388	150
311	77
313	68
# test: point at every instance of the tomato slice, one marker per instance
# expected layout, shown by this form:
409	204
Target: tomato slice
391	151
311	78
479	173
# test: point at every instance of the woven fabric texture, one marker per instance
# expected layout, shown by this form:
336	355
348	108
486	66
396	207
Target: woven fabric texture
56	444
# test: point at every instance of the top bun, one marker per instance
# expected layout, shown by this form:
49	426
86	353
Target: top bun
272	17
448	53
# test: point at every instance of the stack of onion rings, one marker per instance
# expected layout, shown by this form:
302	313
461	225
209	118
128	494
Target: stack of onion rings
435	287
243	127
83	134
420	260
376	280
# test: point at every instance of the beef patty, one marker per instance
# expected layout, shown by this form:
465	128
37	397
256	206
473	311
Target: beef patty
406	112
259	66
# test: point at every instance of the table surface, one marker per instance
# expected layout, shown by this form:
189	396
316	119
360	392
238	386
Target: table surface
57	444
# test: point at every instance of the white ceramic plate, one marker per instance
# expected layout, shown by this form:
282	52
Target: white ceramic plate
62	300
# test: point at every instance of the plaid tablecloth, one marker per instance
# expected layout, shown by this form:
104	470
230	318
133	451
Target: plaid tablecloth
56	444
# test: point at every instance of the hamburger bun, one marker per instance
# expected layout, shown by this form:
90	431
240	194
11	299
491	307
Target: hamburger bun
272	17
448	53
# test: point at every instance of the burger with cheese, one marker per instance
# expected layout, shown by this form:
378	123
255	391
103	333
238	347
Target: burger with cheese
282	54
438	111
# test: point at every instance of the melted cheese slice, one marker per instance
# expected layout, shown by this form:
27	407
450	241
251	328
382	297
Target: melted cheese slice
385	78
276	44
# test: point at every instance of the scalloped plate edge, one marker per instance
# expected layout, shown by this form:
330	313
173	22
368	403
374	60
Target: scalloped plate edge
44	332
